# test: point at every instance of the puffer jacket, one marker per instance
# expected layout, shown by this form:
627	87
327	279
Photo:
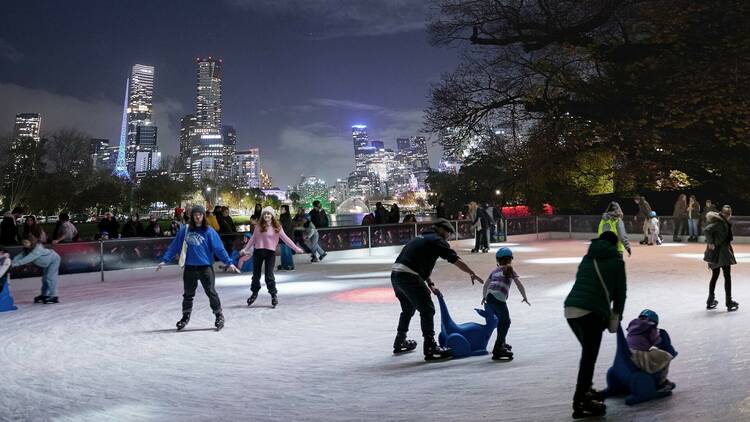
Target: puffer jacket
587	292
718	232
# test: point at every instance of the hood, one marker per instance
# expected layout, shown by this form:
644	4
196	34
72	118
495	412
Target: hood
713	216
640	326
602	249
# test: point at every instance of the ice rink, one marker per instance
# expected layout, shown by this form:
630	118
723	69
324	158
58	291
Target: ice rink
109	351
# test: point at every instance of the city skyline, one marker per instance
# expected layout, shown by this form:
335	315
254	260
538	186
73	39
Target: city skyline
285	91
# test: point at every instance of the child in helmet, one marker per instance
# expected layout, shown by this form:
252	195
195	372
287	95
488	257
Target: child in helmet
650	347
495	294
653	229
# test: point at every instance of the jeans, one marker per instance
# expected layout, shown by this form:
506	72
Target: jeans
265	257
315	248
286	257
480	240
693	227
588	330
190	282
413	295
49	277
727	282
500	309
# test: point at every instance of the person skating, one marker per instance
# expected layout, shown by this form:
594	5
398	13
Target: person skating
197	244
654	238
600	281
410	277
287	262
318	215
495	293
48	260
720	255
612	221
265	239
644	211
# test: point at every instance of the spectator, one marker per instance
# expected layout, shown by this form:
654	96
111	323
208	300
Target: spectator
110	225
679	216
224	227
153	229
708	208
31	227
212	221
65	231
440	211
287	262
381	214
318	216
133	228
368	220
694	216
394	215
8	230
410	218
176	224
228	219
256	214
644	212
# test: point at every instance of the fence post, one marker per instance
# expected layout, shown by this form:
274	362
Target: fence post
101	260
570	227
369	240
505	229
416	230
456	225
536	226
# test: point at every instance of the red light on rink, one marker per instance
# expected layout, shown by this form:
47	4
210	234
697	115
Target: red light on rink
367	295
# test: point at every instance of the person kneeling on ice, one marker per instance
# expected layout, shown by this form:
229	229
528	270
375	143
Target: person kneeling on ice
410	277
47	259
650	347
495	294
197	244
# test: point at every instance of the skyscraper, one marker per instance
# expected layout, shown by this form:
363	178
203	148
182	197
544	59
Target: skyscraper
188	124
208	158
23	154
246	169
229	137
361	145
27	126
141	136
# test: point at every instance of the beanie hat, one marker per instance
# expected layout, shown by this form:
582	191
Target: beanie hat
503	252
269	210
198	208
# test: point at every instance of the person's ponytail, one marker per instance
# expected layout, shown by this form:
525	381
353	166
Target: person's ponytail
508	272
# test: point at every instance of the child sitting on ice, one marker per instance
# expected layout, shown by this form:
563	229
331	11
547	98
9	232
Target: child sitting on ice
653	229
650	347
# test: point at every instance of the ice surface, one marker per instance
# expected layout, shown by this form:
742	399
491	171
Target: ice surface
109	351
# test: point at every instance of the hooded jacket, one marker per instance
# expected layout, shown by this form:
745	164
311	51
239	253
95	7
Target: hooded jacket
587	292
642	334
718	232
622	235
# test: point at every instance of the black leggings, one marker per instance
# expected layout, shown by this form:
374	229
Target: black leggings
588	330
727	282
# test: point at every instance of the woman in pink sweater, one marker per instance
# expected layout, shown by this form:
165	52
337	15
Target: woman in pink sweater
265	239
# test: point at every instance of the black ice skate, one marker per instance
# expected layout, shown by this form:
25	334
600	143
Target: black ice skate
502	354
40	299
712	303
252	298
184	321
219	324
401	344
274	301
434	352
50	299
587	407
731	306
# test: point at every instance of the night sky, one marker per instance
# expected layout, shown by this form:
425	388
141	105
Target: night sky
297	74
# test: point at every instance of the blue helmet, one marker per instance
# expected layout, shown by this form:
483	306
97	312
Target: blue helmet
650	315
652	214
503	252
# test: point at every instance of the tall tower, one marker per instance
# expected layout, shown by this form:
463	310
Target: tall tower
208	158
141	129
26	127
188	123
121	166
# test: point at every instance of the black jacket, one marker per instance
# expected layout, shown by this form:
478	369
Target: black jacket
319	217
8	232
421	253
112	227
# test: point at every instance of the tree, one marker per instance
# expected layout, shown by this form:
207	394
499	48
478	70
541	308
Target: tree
22	164
68	151
650	87
294	197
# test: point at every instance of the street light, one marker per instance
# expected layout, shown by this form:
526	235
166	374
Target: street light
497	192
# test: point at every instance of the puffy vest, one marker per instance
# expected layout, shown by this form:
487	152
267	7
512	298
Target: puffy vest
610	225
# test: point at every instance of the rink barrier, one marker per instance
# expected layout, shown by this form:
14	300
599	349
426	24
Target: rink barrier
131	253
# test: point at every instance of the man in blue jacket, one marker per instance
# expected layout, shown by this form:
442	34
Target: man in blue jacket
197	244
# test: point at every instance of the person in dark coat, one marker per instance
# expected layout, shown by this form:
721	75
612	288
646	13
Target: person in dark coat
394	215
287	262
644	211
8	230
680	216
256	214
368	220
228	218
381	214
133	228
109	225
153	229
440	210
720	255
318	215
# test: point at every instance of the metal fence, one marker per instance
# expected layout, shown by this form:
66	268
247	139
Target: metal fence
119	254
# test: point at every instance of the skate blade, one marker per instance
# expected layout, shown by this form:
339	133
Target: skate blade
402	351
583	415
437	358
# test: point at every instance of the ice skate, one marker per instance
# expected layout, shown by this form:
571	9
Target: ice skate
40	299
401	344
587	407
666	386
219	324
322	256
434	352
50	299
184	321
731	306
502	354
274	301
252	298
712	303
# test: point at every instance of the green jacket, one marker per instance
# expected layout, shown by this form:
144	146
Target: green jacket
587	292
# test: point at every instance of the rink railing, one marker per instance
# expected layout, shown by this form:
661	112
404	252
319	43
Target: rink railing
120	254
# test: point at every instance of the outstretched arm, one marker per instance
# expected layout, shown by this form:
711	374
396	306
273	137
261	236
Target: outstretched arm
289	242
522	290
465	268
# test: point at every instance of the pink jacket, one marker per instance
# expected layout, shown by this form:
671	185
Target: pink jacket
269	240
